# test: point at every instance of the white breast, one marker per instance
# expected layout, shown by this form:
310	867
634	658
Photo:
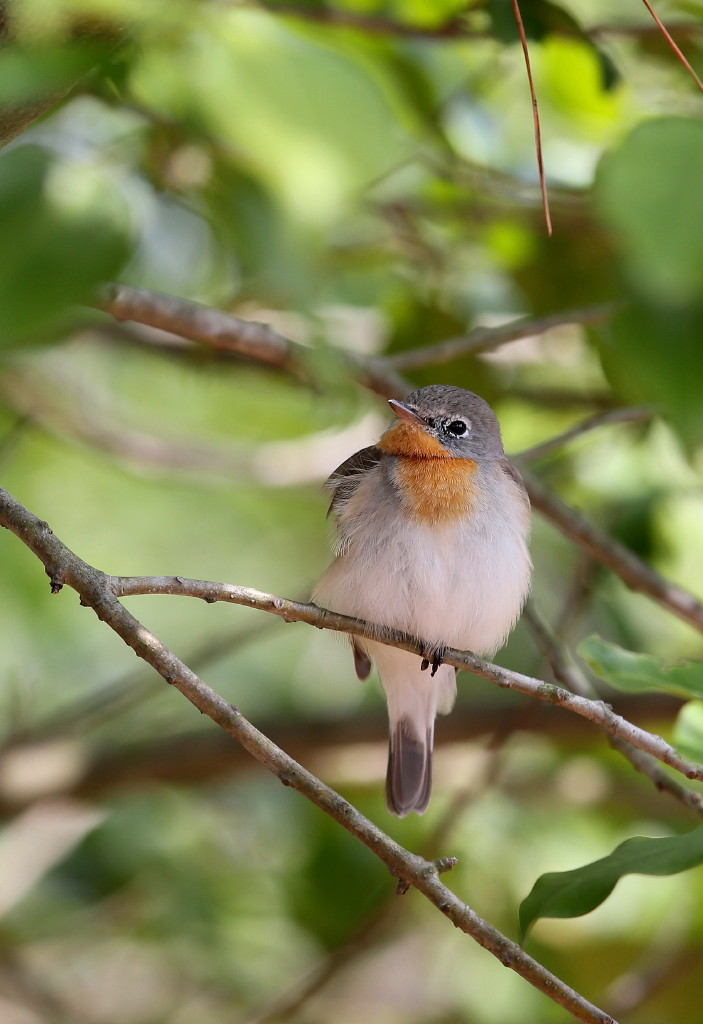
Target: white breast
461	584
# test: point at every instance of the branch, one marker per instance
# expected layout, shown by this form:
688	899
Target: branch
99	592
260	342
484	339
637	414
224	332
379	922
567	672
614	555
211	327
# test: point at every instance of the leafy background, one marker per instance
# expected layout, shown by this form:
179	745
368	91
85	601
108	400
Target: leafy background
369	186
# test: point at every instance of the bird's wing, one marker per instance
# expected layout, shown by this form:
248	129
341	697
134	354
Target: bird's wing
345	479
514	473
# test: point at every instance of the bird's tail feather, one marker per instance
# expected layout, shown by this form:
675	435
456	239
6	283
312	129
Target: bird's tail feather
409	775
414	697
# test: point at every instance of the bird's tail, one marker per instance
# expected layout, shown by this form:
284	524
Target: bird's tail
414	698
409	774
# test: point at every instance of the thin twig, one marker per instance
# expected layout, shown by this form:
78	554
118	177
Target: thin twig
670	40
636	414
98	591
484	339
535	116
609	552
371	930
667	961
567	671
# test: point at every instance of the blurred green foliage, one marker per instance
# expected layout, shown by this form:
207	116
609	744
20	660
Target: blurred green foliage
361	175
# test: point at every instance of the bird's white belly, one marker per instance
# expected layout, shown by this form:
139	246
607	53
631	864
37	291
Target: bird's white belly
460	585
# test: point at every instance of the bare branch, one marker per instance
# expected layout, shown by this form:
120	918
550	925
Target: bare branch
609	552
209	326
484	339
224	332
637	414
566	671
258	341
98	591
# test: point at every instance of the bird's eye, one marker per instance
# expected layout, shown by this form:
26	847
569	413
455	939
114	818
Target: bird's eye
457	427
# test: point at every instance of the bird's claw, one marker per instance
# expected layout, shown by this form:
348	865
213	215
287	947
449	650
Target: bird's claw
435	659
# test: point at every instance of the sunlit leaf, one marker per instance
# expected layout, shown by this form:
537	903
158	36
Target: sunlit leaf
641	673
647	195
312	121
64	224
688	730
652	354
578	892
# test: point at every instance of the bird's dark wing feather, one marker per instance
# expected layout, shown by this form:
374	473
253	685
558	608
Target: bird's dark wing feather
510	470
346	477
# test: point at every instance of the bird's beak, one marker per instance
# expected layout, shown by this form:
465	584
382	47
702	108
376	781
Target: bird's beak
404	413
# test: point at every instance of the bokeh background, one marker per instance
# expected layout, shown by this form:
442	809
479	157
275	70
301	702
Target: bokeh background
360	175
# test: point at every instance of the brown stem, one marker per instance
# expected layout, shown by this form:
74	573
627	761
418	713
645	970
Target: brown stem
535	116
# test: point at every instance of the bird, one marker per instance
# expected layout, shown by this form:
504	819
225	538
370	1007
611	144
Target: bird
432	526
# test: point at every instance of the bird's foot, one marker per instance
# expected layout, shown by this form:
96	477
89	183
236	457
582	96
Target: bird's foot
435	658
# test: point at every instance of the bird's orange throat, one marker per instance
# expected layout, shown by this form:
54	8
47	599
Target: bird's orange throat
403	438
436	487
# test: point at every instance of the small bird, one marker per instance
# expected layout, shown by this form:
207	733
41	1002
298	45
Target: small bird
432	526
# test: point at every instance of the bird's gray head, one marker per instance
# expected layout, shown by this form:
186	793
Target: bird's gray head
463	424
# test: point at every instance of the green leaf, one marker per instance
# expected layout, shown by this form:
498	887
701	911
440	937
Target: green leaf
688	730
45	71
653	354
65	225
577	892
309	119
648	198
641	673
